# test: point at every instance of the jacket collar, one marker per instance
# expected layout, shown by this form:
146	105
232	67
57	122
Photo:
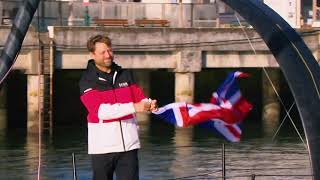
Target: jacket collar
91	67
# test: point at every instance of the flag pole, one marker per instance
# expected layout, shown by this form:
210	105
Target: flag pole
74	167
223	163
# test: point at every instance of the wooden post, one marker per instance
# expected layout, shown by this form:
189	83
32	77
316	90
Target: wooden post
314	11
299	22
180	14
60	13
1	12
191	15
71	17
52	67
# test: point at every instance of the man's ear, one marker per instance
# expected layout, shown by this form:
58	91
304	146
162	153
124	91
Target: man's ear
91	55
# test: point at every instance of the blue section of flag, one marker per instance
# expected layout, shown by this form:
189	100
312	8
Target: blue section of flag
228	88
168	116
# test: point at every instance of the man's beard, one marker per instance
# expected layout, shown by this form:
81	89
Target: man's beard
108	64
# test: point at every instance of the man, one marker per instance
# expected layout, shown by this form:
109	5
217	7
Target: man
112	99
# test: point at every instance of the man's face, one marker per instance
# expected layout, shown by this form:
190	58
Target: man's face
103	56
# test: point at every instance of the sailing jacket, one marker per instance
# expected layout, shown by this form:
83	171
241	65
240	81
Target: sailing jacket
109	98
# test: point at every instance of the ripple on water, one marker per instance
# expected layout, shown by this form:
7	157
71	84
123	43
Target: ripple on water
162	157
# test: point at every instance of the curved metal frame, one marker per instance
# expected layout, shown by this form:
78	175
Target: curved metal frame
14	41
297	63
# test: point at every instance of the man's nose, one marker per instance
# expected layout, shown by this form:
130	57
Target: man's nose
108	54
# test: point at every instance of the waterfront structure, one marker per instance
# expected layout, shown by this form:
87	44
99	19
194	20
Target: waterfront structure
296	12
148	48
183	50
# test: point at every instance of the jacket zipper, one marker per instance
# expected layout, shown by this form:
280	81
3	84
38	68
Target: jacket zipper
113	81
124	147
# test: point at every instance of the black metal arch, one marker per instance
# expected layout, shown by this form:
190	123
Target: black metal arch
297	63
14	41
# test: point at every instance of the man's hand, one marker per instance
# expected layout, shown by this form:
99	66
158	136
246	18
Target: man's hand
142	106
153	105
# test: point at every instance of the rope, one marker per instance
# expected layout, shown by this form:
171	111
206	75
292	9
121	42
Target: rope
277	94
287	113
39	108
275	134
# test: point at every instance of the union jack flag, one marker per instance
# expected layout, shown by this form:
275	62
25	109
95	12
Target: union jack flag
226	110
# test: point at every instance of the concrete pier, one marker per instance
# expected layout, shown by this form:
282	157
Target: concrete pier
189	61
183	153
184	87
32	153
34	97
270	101
184	51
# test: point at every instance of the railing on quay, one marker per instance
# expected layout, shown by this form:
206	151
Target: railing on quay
75	13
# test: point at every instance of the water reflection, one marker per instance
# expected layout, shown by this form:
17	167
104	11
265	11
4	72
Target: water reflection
183	151
32	154
166	154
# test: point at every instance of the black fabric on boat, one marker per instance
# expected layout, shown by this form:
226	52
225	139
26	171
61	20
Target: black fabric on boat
18	32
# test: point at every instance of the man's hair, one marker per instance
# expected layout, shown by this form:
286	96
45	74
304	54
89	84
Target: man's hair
97	38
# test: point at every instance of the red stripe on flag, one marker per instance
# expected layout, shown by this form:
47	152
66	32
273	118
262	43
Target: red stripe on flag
233	131
184	115
241	109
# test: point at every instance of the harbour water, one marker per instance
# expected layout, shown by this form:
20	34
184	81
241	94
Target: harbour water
166	154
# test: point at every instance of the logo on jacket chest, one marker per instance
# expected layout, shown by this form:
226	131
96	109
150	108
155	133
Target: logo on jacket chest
123	84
